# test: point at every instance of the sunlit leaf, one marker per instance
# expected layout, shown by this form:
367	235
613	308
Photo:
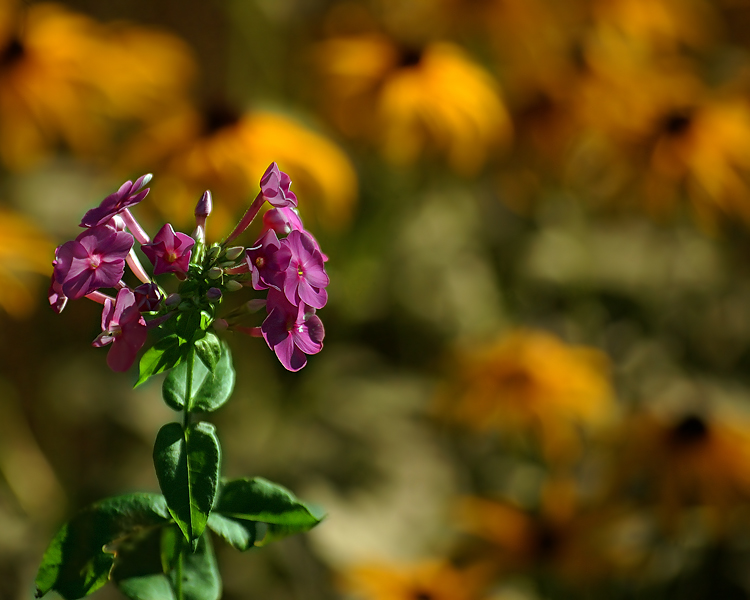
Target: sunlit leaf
187	466
76	562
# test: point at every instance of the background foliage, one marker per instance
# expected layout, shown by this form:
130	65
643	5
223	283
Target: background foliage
535	381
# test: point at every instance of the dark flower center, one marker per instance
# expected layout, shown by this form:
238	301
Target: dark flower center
690	430
12	52
217	116
546	540
677	123
410	57
422	595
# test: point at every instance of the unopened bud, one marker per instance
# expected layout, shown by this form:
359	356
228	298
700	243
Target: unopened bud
234	252
255	305
213	294
204	206
220	324
232	286
215	273
213	252
173	300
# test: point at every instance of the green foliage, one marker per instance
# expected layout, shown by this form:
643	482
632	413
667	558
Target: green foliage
208	349
78	560
211	388
165	354
144	574
187	466
239	533
257	499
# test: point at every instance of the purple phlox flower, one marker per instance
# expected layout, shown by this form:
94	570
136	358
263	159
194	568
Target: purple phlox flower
285	220
124	328
95	259
57	298
274	185
291	331
148	297
282	220
128	195
305	278
268	261
169	252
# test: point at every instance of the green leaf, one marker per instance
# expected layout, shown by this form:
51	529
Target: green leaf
139	572
175	383
209	390
188	325
147	580
76	562
200	575
258	499
165	354
208	349
187	466
240	533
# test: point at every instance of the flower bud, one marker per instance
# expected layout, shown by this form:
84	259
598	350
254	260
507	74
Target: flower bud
232	286
213	252
234	252
254	305
220	324
215	273
173	300
213	294
204	206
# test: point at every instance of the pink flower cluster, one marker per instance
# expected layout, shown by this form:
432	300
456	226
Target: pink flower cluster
286	260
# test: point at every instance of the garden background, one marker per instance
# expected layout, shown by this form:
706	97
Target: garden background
536	378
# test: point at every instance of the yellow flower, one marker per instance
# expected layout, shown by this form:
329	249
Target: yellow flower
531	382
414	102
560	536
63	77
431	580
687	459
25	253
227	152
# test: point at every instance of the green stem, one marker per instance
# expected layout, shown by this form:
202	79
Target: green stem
188	388
185	425
178	575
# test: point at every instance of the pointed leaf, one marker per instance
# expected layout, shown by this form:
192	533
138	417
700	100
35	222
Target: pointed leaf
76	563
200	575
138	572
240	533
187	466
148	581
208	349
210	389
167	353
175	383
258	499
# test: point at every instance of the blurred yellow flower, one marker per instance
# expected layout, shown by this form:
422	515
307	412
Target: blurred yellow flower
531	382
431	580
64	77
685	460
558	537
25	253
413	103
227	152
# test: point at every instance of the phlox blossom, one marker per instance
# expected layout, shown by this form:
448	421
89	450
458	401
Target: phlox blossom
95	259
124	328
291	331
305	278
169	252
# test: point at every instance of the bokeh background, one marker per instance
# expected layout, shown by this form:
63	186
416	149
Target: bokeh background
536	379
